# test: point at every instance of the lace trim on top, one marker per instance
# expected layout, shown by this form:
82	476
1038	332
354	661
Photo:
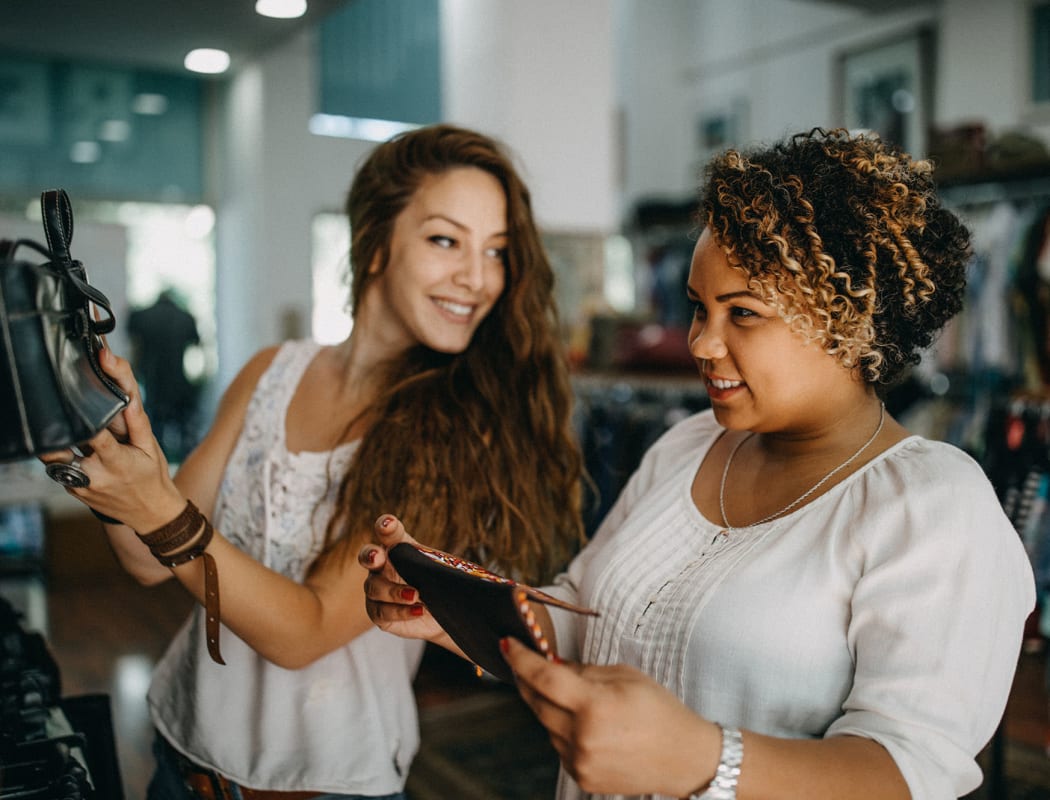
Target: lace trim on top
274	504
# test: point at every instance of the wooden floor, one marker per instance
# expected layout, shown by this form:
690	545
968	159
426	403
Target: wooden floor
106	633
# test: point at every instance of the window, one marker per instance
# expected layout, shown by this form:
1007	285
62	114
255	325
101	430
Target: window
330	269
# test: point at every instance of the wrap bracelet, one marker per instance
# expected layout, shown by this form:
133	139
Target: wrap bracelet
168	538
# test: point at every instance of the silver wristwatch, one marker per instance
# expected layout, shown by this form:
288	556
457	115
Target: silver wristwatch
723	785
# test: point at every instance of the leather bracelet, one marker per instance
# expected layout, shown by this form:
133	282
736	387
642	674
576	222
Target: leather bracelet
190	553
176	533
723	785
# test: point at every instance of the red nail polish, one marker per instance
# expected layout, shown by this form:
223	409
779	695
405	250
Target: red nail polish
386	522
370	557
504	644
416	611
408	594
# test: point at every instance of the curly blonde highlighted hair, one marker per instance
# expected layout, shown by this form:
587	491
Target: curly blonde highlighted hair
847	237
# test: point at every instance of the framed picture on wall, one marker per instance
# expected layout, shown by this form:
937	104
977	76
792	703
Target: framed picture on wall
887	88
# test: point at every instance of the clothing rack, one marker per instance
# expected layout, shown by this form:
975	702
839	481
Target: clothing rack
617	418
987	192
1017	462
987	352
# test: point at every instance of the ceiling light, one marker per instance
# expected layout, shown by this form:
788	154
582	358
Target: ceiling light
149	104
85	152
114	130
281	9
207	60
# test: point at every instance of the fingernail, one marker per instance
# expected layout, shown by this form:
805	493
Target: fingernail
416	611
370	556
408	594
386	522
504	645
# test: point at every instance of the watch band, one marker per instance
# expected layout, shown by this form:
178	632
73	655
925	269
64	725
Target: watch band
723	785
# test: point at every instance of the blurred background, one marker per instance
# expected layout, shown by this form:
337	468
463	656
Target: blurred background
208	209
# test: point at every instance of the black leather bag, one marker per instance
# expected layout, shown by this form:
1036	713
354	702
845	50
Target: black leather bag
53	393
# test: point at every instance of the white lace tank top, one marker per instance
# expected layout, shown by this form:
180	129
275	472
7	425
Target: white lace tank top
346	723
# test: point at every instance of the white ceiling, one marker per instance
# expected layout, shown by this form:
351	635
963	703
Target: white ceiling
149	34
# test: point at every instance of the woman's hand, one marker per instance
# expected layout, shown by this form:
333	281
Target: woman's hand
393	605
616	730
129	475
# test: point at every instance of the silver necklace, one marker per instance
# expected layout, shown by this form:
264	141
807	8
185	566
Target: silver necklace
797	500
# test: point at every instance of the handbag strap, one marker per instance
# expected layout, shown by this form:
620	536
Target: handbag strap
57	213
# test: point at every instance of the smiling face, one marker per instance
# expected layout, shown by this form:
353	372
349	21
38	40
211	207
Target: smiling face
446	267
760	374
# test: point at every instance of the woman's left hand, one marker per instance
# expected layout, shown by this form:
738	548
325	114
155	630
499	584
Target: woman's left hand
616	730
129	476
392	605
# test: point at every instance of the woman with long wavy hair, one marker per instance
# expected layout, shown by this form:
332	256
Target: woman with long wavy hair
447	400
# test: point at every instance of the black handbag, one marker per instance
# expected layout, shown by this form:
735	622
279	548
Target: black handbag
53	392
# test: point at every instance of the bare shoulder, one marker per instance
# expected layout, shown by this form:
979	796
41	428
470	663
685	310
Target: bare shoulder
240	390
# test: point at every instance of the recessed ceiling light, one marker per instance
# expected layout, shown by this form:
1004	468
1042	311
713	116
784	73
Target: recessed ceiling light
207	60
149	104
114	130
85	152
281	9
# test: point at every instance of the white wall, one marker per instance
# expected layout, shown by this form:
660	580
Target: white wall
983	62
539	75
781	56
697	56
275	177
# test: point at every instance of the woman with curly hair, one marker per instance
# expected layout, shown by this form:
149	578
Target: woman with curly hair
798	598
450	396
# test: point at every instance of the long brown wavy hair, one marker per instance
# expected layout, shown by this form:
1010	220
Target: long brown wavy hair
475	451
847	235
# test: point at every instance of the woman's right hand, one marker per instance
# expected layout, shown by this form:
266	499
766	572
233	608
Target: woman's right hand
129	477
393	605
